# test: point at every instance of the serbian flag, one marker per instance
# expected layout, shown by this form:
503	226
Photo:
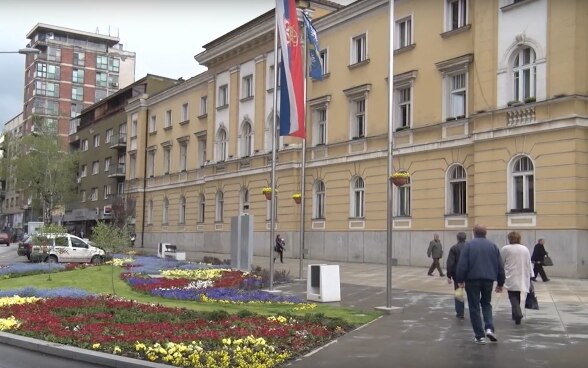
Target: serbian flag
292	82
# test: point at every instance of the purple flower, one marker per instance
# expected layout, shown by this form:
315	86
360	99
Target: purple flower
47	293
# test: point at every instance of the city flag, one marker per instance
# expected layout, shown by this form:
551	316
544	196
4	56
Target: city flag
292	83
316	64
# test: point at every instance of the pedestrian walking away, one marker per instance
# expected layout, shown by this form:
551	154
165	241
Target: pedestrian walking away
537	258
279	248
518	272
435	251
478	267
452	260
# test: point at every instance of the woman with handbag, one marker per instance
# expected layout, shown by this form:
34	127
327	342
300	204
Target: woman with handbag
538	259
517	266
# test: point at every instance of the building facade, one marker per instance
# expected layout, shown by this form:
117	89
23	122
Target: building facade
489	119
12	202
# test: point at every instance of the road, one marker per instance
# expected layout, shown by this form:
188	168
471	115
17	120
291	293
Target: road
8	254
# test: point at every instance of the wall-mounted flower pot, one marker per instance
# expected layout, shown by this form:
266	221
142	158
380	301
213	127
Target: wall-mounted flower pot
268	195
297	200
400	178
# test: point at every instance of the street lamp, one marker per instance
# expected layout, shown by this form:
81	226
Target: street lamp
25	51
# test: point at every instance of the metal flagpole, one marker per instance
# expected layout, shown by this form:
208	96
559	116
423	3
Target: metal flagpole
273	175
303	169
389	194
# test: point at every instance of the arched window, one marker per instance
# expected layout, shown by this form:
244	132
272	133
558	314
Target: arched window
201	208
524	72
182	210
318	202
456	190
221	145
246	139
522	185
150	213
244	200
220	202
357	197
165	210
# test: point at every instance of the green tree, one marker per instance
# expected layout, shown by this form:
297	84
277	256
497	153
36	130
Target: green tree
112	239
43	170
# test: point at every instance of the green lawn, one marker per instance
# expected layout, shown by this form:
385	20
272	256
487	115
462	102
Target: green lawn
102	279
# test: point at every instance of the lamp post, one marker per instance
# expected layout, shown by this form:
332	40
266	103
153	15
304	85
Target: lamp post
25	51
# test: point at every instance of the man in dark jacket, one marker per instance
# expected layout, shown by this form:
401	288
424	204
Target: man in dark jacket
452	260
479	266
537	258
435	251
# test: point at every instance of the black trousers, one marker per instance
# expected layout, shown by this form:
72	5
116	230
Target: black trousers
281	256
435	265
538	269
515	303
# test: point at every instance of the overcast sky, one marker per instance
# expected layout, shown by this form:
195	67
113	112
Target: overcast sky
165	34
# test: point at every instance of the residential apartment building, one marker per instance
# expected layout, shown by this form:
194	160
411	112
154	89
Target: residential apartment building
12	202
489	118
100	139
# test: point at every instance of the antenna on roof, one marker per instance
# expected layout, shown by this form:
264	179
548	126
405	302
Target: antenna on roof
97	30
109	30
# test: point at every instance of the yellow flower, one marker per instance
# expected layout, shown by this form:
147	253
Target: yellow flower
266	190
116	350
96	346
9	323
401	174
296	195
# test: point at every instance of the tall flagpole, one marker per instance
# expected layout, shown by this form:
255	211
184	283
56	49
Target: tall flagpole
273	175
303	169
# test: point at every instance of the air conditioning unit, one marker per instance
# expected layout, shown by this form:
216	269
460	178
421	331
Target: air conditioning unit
107	211
114	84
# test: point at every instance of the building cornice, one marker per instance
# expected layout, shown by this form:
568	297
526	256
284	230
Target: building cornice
191	83
353	10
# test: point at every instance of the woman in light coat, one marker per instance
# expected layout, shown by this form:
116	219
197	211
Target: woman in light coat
518	269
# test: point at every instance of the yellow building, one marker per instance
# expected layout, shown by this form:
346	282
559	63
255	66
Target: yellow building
489	115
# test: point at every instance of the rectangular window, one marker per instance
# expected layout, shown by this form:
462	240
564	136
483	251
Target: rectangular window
99	94
152	123
84	171
97	140
359	119
359	49
48	71
53	54
78	76
183	155
132	164
102	62
458	197
94	194
201	151
223	95
83	193
107	164
404	200
324	55
107	191
166	160
113	64
120	188
456	14
45	107
134	124
203	105
95	167
321	127
77	93
101	79
109	134
185	112
404	32
49	89
404	107
247	86
84	145
168	119
457	96
150	164
271	77
79	58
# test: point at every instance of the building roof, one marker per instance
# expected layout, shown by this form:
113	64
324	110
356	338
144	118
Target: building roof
95	37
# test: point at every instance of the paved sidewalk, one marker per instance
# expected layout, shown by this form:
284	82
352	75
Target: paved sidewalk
427	333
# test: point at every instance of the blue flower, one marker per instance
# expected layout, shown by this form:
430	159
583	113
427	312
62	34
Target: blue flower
65	292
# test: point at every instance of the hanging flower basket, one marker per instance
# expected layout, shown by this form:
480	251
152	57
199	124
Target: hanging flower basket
297	197
267	192
400	178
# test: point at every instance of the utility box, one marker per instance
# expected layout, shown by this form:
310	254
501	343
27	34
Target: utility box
323	283
168	250
242	242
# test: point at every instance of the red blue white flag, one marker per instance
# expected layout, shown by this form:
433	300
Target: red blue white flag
292	83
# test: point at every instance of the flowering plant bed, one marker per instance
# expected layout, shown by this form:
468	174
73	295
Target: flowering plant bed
175	336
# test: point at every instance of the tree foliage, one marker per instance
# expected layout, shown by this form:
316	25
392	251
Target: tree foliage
110	237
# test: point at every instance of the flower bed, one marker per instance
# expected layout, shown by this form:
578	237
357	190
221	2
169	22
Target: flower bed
26	269
175	336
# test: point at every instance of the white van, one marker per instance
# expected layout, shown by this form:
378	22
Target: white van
65	248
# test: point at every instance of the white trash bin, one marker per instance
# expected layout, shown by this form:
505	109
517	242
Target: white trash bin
323	283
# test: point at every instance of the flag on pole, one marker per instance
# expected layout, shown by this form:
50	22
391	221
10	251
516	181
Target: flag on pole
292	85
316	63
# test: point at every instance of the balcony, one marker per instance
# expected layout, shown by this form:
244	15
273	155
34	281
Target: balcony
520	115
116	171
119	141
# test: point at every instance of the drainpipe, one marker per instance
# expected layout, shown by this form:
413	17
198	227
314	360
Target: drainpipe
144	180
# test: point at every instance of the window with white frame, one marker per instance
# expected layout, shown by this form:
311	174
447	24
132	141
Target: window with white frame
107	164
524	70
95	167
201	208
94	194
77	76
203	105
359	49
271	77
165	212
84	145
358	122
107	191
318	203
134	124
457	95
247	86
132	166
166	160
183	155
120	188
457	190
109	134
220	203
150	212
201	151
456	14
246	139
151	163
84	171
403	200
357	198
83	195
320	122
152	123
324	55
168	119
77	93
223	95
97	140
182	210
404	110
404	32
522	185
221	145
185	112
244	200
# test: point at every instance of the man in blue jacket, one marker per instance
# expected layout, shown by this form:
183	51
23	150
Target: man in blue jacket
479	266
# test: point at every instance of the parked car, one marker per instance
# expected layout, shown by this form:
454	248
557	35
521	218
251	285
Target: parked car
65	248
5	239
25	246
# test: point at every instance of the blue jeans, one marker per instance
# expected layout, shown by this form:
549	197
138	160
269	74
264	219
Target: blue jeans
479	293
459	305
